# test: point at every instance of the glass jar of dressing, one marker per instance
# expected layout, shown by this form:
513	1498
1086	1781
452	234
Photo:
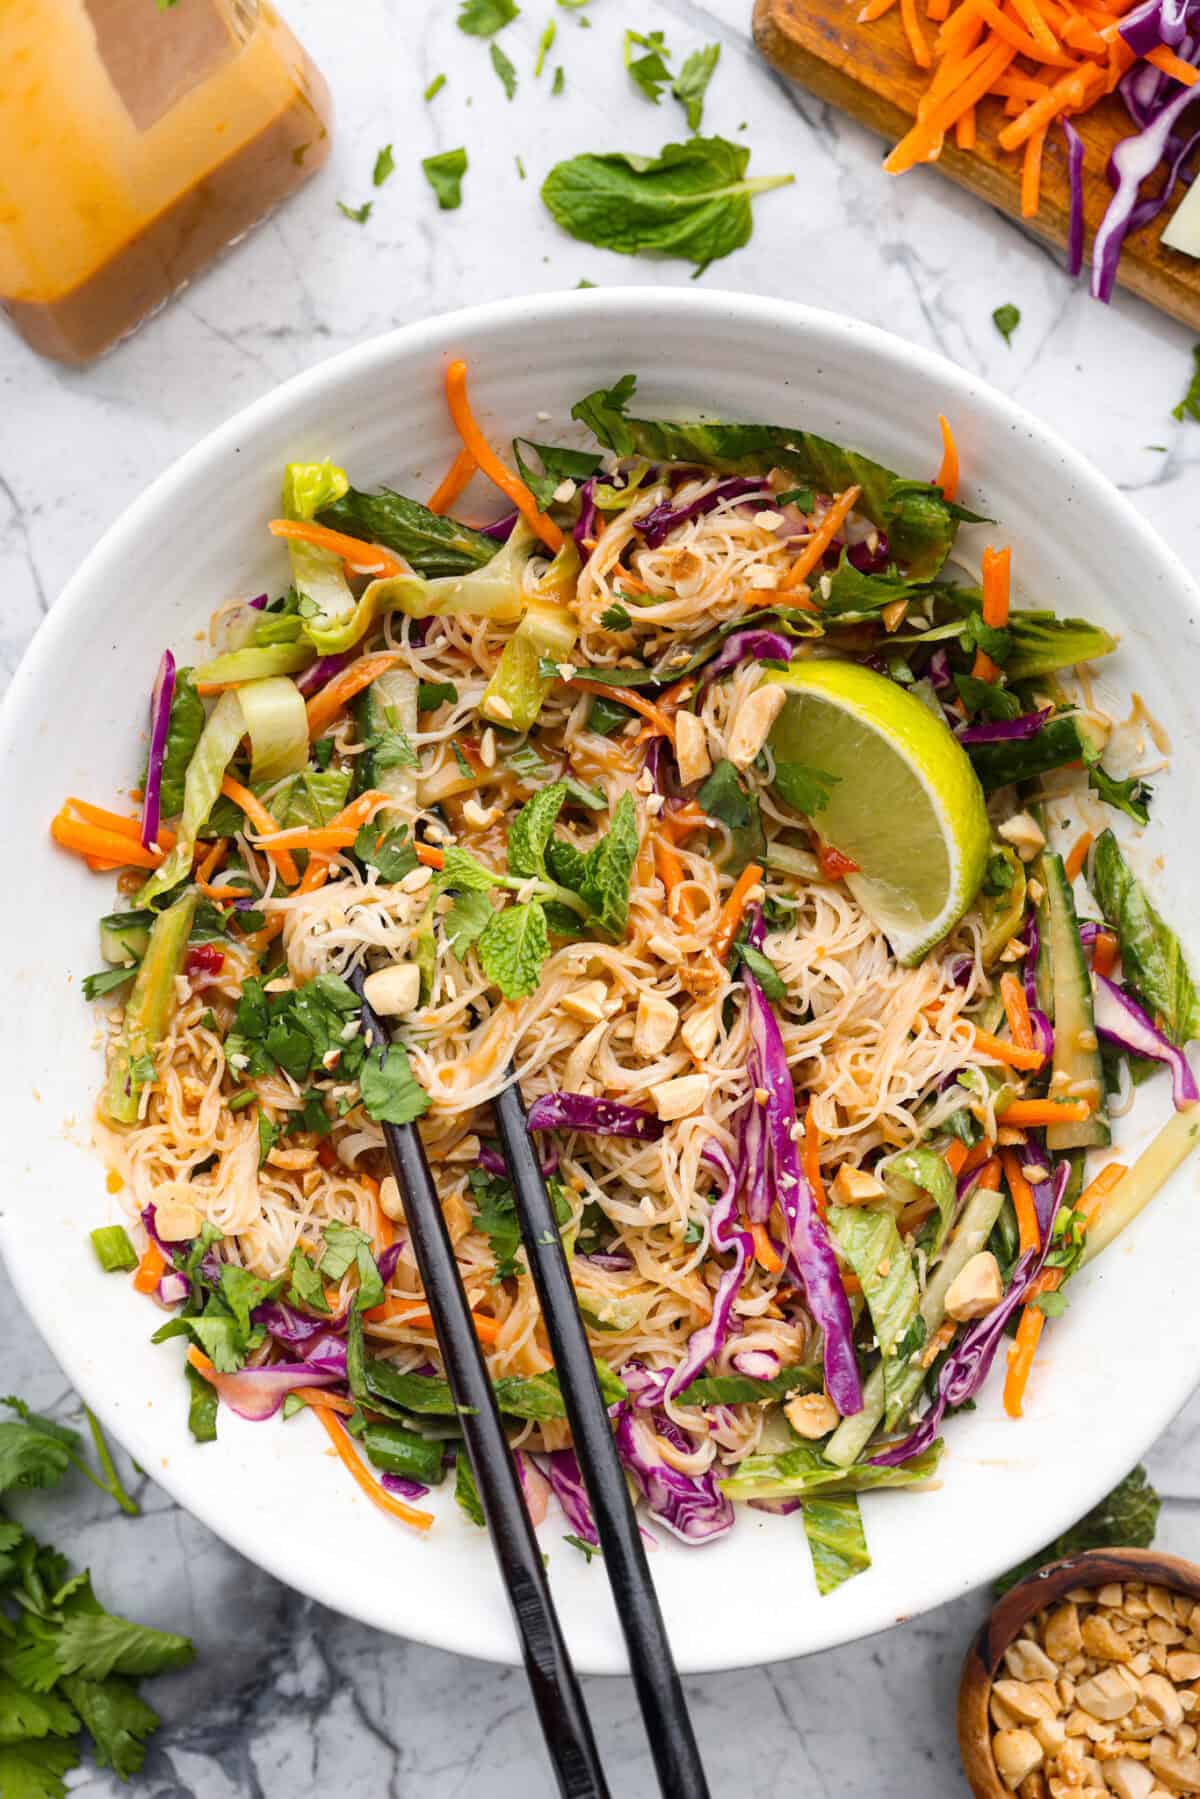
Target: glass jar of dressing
137	140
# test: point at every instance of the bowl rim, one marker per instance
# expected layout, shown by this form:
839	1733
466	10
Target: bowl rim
1092	1568
434	336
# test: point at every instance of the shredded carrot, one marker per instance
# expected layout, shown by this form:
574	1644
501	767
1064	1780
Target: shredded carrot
976	1157
118	822
1022	1198
954	1155
682	821
731	913
664	726
1011	1054
150	1269
947	475
108	848
965	129
810	556
379	1495
1069	92
997	566
1077	856
1034	17
936	10
486	1329
490	464
260	818
765	1253
923	142
325	705
916	37
1174	66
363	558
989	1174
812	1161
1098	1190
1016	1010
1104	952
206	869
670	872
1020	1358
220	892
1031	174
333	1402
1031	1114
314	876
457	477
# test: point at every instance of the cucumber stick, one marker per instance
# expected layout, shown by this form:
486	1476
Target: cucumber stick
148	1012
1063	978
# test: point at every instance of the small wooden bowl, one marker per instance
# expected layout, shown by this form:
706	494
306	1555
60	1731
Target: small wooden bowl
1094	1568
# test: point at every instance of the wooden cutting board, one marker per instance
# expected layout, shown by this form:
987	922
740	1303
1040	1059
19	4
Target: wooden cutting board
868	72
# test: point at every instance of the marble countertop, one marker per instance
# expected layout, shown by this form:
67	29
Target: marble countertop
285	1698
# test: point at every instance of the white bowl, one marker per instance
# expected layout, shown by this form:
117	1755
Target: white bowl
1110	1374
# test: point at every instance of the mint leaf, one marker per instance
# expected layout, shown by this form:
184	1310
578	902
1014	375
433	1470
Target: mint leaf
464	873
480	18
466	1493
608	870
531	830
465	922
444	174
805	789
504	69
391	1093
513	947
692	82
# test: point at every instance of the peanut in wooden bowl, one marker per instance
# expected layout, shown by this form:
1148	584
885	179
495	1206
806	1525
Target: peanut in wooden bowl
1094	1568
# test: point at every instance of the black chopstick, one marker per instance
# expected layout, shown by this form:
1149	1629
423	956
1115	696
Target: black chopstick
552	1678
656	1678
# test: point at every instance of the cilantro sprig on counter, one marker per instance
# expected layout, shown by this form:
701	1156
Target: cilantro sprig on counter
67	1666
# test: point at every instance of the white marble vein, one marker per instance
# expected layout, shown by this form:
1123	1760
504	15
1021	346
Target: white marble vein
287	1701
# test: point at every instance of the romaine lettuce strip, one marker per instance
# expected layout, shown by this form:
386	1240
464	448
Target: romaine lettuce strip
803	1472
257	662
318	576
868	1238
215	751
277	725
548	630
837	1540
927	1171
430	543
148	1009
1151	954
183	734
493	591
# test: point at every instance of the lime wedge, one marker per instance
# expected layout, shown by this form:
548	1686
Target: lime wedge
906	806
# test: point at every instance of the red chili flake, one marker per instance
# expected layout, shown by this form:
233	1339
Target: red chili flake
204	958
833	864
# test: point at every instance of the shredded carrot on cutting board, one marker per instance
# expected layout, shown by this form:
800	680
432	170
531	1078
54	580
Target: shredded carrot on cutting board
1071	55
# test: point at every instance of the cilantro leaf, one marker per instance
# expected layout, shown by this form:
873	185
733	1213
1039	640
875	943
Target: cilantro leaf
33	1769
393	855
614	618
34	1451
514	945
1006	319
465	921
306	1289
466	1493
691	84
97	1644
242	1291
444	173
391	1093
385	165
117	1719
650	71
558	465
805	789
26	1714
480	18
725	797
1130	796
347	1247
608	870
531	830
95	986
505	70
1189	406
496	1217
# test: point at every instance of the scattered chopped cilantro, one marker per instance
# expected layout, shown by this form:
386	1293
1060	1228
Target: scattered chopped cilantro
391	1093
805	789
95	986
393	855
615	618
359	214
1006	319
650	70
